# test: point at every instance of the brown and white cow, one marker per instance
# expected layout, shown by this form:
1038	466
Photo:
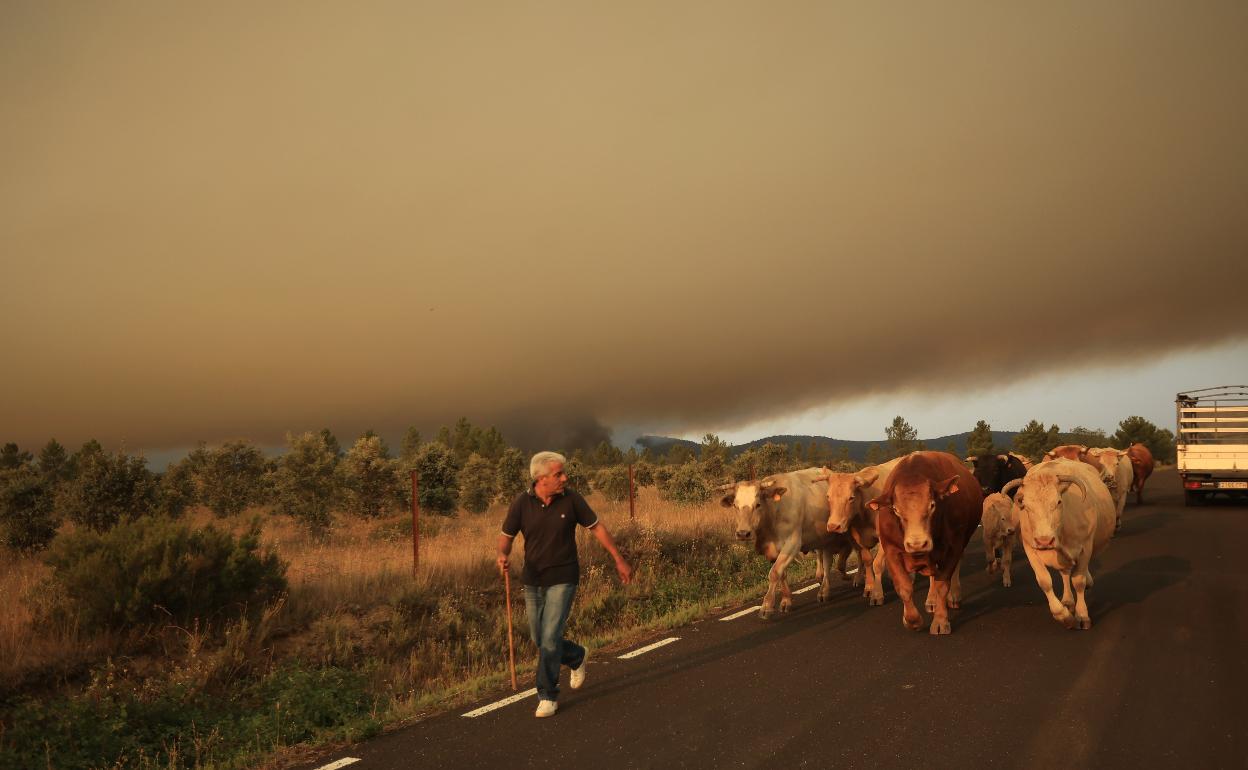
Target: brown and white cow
1117	474
1142	466
785	514
1065	517
930	507
1000	534
847	495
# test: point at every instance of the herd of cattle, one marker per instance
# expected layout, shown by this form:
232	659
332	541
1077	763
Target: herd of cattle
923	508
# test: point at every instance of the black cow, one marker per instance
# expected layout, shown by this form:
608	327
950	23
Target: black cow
995	471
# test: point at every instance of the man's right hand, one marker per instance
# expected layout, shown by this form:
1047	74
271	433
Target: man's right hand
503	563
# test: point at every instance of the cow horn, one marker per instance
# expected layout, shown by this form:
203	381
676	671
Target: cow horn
724	487
1005	490
972	458
1075	480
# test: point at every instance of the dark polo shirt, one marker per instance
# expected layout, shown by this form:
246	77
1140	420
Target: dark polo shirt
549	535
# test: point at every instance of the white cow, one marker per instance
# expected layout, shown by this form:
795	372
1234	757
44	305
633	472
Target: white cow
1000	534
1065	517
1118	475
786	515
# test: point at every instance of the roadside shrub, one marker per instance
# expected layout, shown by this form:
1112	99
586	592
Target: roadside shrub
437	476
578	478
231	478
108	488
304	484
512	475
153	569
27	522
476	484
687	485
643	474
175	489
369	478
612	482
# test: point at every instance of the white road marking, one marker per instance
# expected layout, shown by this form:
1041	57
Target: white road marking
757	607
745	611
339	763
499	704
649	647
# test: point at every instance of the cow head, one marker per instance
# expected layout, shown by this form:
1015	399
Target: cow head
1067	452
999	523
914	505
1109	460
1039	504
843	495
991	471
747	500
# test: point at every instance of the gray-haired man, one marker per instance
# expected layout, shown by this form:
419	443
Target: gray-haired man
548	513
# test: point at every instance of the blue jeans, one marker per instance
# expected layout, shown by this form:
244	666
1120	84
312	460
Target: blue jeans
547	608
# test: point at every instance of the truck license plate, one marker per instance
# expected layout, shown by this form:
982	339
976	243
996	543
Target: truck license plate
1233	485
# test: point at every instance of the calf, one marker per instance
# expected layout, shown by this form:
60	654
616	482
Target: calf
847	494
1000	533
929	509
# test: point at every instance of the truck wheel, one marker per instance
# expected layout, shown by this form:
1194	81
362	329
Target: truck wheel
1193	498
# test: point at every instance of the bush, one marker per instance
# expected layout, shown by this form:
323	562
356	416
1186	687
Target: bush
578	478
175	490
512	475
476	484
687	485
304	484
27	522
108	488
612	482
437	476
643	474
153	569
369	478
231	478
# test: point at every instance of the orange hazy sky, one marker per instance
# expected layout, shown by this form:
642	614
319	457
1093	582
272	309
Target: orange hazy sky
225	220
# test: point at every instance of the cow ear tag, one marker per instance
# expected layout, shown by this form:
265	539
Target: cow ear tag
775	498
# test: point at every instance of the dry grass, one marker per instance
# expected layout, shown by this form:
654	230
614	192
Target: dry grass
360	565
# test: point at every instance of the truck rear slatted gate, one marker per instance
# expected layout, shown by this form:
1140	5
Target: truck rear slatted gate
1212	437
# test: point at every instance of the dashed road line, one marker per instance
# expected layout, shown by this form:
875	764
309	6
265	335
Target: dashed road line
757	607
649	647
499	704
339	763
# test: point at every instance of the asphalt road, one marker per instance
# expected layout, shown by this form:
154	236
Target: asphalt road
1161	679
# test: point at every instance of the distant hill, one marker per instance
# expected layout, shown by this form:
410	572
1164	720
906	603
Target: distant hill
660	445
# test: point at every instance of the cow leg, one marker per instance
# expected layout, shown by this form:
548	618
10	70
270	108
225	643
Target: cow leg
954	600
1007	556
825	580
930	603
775	579
903	583
879	566
1082	580
868	569
1045	581
938	593
1068	596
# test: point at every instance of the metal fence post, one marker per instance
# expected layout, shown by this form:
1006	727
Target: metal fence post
415	524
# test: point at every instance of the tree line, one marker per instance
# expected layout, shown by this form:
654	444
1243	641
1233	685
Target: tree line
464	467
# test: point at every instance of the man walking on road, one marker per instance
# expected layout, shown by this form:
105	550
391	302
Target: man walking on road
548	514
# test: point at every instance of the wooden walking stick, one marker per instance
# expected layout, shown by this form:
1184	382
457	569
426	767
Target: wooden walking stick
511	643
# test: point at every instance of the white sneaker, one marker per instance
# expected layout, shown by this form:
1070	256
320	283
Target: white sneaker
577	680
546	708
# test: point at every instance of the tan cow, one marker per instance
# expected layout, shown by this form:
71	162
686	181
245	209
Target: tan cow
1117	474
1065	517
1000	532
847	496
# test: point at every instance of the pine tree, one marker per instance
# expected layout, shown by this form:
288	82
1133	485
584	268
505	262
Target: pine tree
979	443
411	443
902	437
108	488
305	486
511	475
231	478
1032	441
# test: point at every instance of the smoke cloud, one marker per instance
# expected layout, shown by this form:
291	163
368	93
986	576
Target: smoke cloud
237	220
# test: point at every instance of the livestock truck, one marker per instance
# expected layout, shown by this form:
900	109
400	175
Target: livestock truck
1212	438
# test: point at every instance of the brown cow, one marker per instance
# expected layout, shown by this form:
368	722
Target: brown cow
1142	467
930	508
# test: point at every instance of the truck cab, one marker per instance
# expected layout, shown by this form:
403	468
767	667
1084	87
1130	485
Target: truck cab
1212	442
